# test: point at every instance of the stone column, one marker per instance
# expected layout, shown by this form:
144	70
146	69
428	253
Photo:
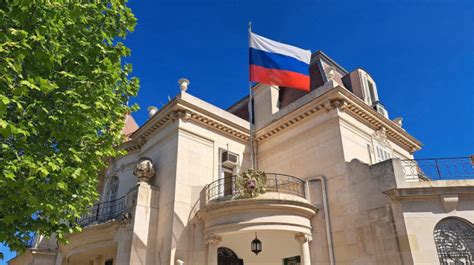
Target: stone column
212	242
132	238
304	239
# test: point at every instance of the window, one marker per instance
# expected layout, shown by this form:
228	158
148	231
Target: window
382	149
454	239
296	260
381	153
109	262
111	189
371	91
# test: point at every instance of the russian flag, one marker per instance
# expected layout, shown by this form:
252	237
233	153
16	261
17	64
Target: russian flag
279	64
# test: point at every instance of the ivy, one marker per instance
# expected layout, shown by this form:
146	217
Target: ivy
63	93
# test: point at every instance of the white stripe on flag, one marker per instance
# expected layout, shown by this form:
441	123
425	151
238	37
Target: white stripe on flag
261	43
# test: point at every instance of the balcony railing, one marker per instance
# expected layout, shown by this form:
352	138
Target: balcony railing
103	212
439	168
226	188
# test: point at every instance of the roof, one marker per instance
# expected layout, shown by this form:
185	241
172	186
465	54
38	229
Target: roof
130	125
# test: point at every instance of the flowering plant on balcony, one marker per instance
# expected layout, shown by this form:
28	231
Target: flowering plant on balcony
251	183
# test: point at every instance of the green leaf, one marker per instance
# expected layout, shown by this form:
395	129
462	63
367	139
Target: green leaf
62	82
29	84
4	100
62	185
9	175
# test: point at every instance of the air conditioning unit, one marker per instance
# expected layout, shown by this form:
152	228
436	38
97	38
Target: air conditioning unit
380	109
229	159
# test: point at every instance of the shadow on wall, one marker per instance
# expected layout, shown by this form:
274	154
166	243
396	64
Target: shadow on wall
371	213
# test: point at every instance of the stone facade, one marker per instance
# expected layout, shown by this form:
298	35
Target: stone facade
337	192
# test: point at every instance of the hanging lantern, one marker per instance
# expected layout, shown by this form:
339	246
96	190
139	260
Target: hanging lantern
256	245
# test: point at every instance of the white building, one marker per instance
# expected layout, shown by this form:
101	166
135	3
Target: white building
342	186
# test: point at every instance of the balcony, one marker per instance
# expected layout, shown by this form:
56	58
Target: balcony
439	169
226	188
103	212
278	204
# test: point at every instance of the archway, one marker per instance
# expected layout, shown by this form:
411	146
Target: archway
454	238
225	256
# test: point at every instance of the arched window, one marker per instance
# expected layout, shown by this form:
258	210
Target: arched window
454	238
225	256
111	189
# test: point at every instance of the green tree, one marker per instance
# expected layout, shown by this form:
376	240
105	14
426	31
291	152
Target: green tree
63	93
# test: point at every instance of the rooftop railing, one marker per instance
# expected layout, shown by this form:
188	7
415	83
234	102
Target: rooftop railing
103	212
439	168
226	188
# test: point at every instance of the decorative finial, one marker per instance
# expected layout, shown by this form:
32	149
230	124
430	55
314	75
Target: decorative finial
398	121
183	84
152	111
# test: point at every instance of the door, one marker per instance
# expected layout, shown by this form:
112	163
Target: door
228	183
225	256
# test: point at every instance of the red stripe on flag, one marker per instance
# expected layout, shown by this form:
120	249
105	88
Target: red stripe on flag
279	77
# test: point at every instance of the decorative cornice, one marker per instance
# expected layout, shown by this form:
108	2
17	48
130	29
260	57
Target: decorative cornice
293	118
377	122
241	135
411	193
342	100
182	111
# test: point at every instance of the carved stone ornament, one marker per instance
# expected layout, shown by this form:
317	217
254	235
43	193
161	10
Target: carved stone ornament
381	137
181	114
331	73
303	238
126	219
213	240
340	104
144	169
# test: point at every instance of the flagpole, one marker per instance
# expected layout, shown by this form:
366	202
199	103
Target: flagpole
250	106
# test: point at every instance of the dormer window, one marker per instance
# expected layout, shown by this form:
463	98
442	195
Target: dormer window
363	86
369	89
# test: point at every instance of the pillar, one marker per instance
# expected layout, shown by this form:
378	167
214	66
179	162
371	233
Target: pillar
132	239
212	242
304	239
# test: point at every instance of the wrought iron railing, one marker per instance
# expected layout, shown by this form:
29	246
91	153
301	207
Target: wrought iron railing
103	212
226	188
439	168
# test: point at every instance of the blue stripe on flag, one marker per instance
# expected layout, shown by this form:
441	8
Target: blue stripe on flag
277	61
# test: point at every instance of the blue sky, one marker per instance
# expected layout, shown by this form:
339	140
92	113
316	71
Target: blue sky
420	53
